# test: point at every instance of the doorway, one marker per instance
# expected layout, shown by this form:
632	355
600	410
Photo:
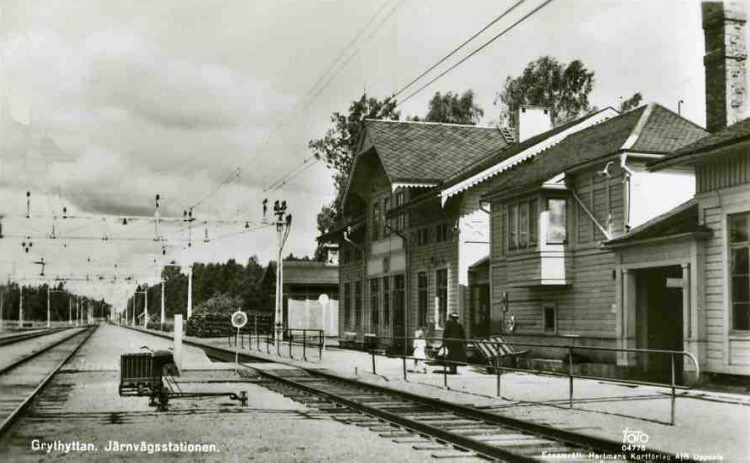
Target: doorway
480	311
659	321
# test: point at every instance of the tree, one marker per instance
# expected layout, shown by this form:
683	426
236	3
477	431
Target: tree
564	89
326	221
339	145
631	103
453	109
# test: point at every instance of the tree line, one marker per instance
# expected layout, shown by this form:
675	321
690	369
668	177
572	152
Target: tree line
35	302
230	285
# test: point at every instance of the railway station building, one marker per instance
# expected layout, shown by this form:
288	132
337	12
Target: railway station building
414	224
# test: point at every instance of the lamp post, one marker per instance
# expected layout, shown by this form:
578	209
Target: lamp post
20	308
162	305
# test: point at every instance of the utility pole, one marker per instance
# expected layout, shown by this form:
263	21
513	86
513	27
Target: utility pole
48	310
70	311
2	306
283	223
145	307
190	293
162	305
20	309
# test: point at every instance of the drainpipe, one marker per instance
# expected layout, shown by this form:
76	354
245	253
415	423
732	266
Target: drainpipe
626	187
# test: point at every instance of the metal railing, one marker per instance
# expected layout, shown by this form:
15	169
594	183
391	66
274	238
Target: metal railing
499	368
308	339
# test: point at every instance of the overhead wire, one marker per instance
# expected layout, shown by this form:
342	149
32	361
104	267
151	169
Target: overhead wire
236	173
475	51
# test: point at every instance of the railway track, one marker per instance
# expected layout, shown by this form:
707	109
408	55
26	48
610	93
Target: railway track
22	380
17	337
447	430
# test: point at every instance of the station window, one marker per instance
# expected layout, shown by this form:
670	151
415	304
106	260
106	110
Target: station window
400	218
423	236
550	318
422	299
376	221
533	222
347	303
441	277
399	299
523	225
739	256
512	227
388	223
358	304
441	233
557	226
386	302
374	303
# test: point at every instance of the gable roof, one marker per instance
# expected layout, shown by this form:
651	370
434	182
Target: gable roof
648	129
513	155
735	133
430	152
680	221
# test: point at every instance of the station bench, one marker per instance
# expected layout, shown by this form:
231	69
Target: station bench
496	350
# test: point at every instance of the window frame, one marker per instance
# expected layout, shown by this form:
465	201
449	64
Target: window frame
374	303
358	303
387	223
422	298
512	227
547	238
400	220
347	303
441	293
375	234
731	247
386	305
553	307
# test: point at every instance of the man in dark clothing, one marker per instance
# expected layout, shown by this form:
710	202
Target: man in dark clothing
453	340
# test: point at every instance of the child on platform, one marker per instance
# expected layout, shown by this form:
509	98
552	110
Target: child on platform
419	345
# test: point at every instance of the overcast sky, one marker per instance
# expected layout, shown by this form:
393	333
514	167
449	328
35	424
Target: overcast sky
107	103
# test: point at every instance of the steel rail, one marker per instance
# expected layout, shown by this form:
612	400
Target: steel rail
34	354
8	422
5	340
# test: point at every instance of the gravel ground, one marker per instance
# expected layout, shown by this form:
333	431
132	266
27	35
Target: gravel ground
12	352
81	407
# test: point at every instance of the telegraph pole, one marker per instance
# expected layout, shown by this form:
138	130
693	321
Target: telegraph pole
70	311
145	307
162	305
190	292
283	223
20	309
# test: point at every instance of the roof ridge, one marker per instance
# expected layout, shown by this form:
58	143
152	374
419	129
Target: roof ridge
447	124
635	134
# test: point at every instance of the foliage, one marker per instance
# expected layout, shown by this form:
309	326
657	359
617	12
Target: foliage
631	103
211	281
339	145
326	221
564	89
453	109
35	303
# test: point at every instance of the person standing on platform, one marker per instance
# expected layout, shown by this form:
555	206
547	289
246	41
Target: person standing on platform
419	345
453	340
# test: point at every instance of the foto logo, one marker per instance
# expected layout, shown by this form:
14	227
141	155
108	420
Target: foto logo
634	437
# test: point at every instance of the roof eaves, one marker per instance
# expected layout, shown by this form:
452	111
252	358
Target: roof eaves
526	154
646	226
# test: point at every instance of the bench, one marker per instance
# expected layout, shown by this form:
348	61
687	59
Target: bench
495	349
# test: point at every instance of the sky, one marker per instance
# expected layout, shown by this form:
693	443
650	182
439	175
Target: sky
105	104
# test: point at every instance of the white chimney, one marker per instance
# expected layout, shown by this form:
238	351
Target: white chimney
531	121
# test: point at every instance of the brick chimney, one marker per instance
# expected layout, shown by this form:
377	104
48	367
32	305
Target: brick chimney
725	64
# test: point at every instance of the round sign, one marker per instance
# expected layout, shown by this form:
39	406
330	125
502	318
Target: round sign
323	298
239	319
